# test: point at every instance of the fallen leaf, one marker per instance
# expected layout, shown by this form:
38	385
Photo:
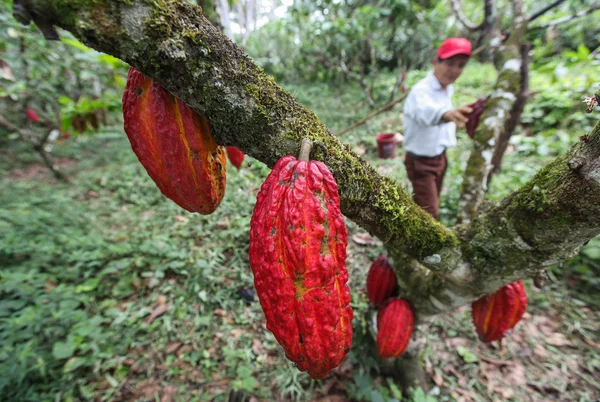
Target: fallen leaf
157	312
360	150
147	214
49	285
224	224
257	347
219	312
437	379
453	343
129	362
161	300
558	339
148	388
541	351
363	239
236	333
591	343
181	219
168	393
172	347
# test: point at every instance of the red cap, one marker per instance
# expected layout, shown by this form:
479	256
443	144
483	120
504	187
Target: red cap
453	46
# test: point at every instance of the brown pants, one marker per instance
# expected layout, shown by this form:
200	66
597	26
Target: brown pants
426	175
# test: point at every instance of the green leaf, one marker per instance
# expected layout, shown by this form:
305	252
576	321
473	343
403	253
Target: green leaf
73	363
62	350
467	356
88	285
377	397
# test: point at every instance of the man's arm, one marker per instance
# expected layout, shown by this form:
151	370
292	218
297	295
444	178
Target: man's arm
458	116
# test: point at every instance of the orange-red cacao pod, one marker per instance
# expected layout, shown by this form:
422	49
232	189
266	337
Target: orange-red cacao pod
498	312
236	156
395	324
381	280
298	241
32	115
175	145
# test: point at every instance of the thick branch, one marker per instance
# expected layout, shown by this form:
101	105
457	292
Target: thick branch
471	26
173	43
542	224
514	119
497	112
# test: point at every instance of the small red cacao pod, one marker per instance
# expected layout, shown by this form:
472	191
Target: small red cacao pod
175	145
298	241
32	115
395	323
498	312
236	156
478	108
381	280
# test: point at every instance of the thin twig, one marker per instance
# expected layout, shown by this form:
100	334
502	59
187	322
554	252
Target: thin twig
566	18
370	116
545	10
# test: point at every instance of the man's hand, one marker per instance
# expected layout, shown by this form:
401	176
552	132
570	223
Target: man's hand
458	116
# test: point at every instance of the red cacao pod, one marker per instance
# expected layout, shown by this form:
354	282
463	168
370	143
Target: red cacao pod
478	108
236	156
395	322
298	241
381	280
175	145
498	312
32	115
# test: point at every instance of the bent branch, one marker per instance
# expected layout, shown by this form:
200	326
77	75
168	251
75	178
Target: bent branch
174	43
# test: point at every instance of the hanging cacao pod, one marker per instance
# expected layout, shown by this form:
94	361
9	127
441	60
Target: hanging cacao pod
236	156
395	322
381	280
298	241
32	115
175	145
499	312
478	108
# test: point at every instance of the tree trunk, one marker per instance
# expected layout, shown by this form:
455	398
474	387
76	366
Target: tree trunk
493	125
541	224
225	20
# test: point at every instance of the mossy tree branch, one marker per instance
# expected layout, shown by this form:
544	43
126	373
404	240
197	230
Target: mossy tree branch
172	42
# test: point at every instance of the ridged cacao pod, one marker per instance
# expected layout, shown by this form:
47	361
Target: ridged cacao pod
498	312
175	145
298	242
236	156
381	280
478	108
395	322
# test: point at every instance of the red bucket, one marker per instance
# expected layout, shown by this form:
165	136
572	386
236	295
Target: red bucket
386	145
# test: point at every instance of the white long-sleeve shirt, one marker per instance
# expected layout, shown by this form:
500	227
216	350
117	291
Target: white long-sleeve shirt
425	134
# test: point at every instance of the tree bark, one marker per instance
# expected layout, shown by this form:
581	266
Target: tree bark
493	123
541	224
514	119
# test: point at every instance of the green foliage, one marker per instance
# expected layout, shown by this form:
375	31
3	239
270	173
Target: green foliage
330	40
54	76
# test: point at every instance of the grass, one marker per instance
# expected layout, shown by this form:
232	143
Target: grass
109	291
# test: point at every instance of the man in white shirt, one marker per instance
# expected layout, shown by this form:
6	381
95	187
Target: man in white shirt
430	123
